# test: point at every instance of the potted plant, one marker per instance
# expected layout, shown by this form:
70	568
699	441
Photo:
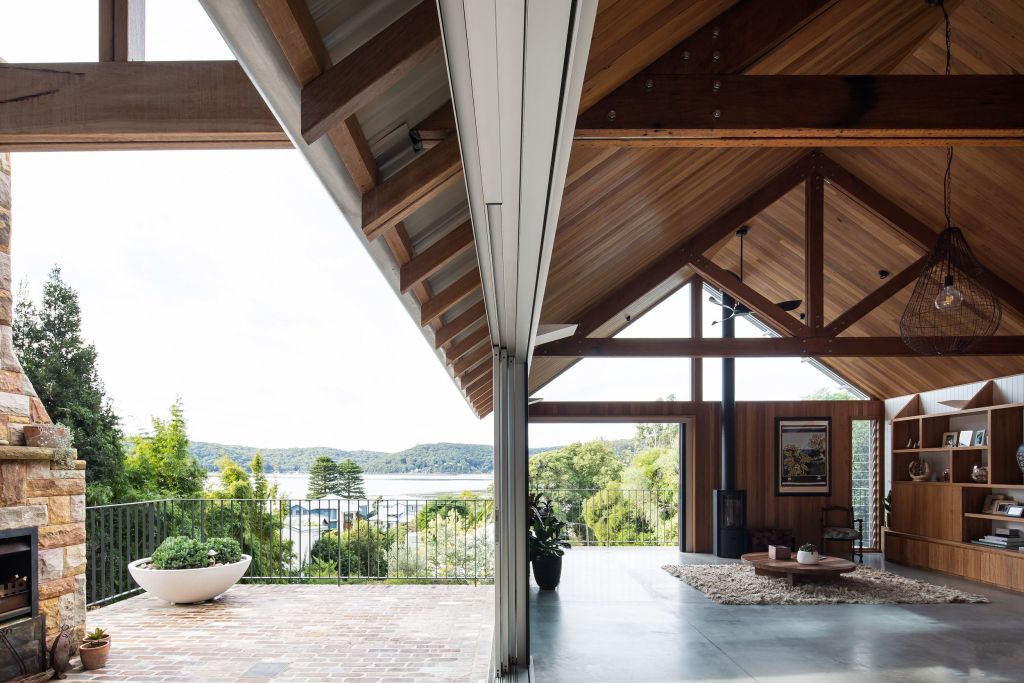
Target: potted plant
185	570
808	554
95	649
547	545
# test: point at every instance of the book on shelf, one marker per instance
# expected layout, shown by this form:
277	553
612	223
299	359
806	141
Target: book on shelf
1001	546
1000	542
1010	533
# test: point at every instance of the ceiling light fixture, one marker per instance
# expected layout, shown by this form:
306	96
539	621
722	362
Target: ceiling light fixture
952	305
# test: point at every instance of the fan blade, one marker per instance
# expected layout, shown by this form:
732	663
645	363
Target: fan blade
741	310
791	305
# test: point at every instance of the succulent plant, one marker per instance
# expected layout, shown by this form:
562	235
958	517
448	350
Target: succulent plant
808	548
97	634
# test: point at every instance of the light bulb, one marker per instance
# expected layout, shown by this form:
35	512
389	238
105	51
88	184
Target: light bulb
949	296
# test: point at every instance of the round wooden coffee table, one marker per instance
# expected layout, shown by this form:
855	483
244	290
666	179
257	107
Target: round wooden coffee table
796	573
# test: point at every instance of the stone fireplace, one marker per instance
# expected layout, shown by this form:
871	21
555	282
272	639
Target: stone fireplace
42	490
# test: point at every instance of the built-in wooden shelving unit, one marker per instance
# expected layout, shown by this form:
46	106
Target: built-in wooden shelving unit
947	514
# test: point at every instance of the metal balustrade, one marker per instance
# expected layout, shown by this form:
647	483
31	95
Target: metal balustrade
335	540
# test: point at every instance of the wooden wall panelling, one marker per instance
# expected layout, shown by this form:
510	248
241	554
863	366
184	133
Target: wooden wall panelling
989	565
932	509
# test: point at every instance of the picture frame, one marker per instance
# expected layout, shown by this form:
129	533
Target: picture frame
1003	505
950	439
1015	511
966	436
979	438
991	499
803	456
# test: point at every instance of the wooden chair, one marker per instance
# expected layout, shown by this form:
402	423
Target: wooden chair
850	531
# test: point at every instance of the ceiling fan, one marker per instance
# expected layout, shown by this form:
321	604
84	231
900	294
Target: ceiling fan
738	310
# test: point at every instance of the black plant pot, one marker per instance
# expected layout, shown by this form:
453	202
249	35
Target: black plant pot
547	572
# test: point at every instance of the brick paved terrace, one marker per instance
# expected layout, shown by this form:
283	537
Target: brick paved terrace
255	633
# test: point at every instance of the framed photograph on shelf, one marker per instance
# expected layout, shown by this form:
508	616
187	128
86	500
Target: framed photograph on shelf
990	502
949	439
803	456
1003	505
979	437
1015	511
966	436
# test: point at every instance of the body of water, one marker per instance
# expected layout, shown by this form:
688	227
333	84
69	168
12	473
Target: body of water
296	485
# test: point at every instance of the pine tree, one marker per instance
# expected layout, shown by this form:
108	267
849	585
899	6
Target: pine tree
62	368
350	480
323	478
259	480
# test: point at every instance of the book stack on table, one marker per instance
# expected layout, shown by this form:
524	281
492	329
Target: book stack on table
1010	539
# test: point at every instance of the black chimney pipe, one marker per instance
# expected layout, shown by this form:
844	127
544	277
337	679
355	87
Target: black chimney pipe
730	505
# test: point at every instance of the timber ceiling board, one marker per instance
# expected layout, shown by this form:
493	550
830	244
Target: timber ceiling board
898	377
634	207
773	250
629	35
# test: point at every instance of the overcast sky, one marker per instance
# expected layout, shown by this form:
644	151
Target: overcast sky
230	279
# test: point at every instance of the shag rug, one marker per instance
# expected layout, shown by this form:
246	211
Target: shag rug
736	584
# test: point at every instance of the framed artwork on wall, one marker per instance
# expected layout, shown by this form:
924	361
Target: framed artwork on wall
803	456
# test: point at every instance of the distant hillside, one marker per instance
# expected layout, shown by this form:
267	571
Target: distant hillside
429	458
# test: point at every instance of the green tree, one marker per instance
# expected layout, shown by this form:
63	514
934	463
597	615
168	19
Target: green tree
160	465
826	394
350	480
323	478
62	368
362	549
260	488
573	474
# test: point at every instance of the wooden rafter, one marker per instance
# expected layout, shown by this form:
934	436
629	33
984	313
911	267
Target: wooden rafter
470	360
730	110
478	337
449	297
892	286
370	70
800	347
171	105
438	125
415	184
765	309
437	256
706	236
481	372
471	317
925	236
122	30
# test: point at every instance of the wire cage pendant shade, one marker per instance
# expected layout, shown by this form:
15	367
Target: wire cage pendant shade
952	305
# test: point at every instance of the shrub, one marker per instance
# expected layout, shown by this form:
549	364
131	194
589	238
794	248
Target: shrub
228	550
180	552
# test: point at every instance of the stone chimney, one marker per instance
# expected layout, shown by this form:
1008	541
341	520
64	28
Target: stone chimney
41	488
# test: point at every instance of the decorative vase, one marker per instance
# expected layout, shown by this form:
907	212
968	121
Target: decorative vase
1020	458
919	470
979	473
94	654
806	557
547	572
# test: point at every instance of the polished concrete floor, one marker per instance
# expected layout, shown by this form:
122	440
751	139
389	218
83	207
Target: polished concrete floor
618	617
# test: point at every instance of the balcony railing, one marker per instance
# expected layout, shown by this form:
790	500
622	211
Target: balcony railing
336	540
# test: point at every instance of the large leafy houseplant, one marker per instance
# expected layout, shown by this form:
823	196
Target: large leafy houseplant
547	543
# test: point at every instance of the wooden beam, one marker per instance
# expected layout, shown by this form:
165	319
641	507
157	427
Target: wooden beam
470	341
774	110
705	237
814	251
482	391
480	386
470	360
925	236
614	411
296	33
763	308
775	347
122	30
696	332
449	297
471	317
415	184
439	125
133	105
436	256
892	286
475	375
370	70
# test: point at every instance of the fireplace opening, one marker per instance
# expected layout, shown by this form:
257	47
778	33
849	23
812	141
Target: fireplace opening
18	574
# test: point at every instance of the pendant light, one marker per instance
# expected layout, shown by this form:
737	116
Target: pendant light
952	305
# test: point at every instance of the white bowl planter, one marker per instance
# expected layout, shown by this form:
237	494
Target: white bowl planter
188	585
804	557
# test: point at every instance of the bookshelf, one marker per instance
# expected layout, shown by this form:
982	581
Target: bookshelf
933	522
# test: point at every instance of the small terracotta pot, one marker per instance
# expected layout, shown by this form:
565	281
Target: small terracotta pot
94	654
